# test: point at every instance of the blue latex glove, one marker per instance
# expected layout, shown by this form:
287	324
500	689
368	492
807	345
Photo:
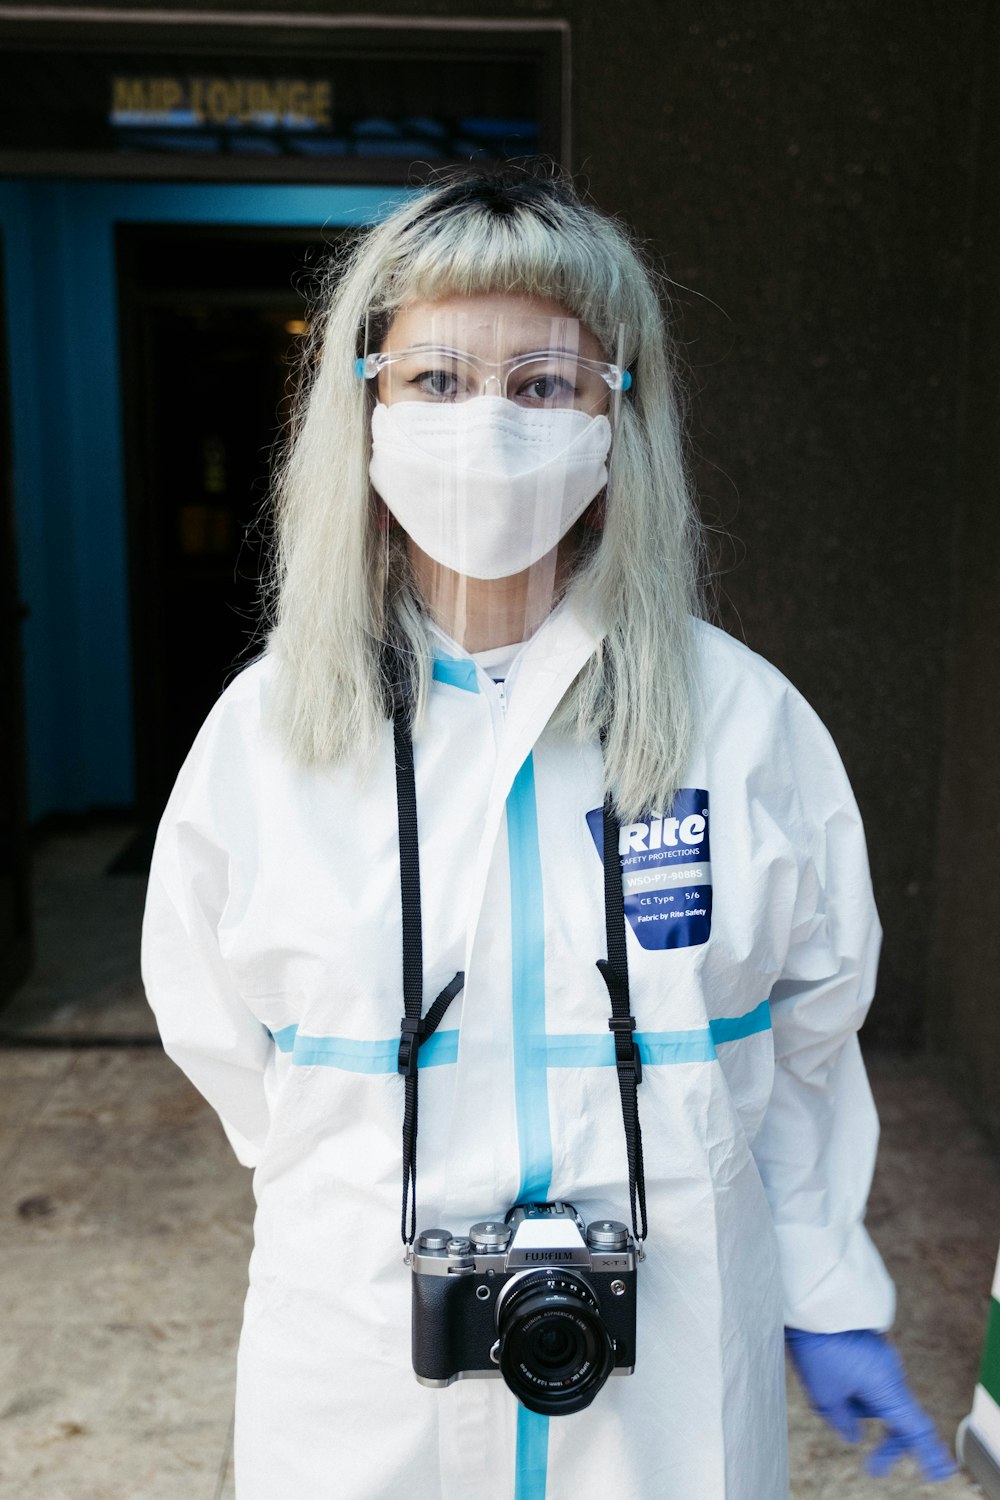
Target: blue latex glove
848	1376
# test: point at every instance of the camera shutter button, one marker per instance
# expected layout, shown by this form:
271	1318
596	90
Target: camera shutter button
459	1245
607	1234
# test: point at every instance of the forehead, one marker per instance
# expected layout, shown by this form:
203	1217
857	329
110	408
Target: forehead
493	325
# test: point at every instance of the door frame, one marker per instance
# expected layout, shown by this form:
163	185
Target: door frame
70	499
16	954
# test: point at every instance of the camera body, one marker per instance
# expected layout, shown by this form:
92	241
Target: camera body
536	1298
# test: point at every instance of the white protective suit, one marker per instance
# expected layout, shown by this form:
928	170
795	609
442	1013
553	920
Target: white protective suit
272	958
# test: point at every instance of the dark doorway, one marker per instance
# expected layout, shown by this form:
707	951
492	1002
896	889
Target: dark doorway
15	896
209	318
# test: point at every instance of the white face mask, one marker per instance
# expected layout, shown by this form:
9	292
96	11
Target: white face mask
487	487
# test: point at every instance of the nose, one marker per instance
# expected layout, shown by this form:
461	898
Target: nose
494	380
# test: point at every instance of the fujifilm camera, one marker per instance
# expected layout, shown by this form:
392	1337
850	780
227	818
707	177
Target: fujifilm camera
535	1297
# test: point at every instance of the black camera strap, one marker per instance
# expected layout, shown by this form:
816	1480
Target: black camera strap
614	972
415	1027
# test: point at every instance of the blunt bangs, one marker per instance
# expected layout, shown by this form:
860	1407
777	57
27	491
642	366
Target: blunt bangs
560	251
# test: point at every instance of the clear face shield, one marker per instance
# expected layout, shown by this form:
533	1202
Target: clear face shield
490	440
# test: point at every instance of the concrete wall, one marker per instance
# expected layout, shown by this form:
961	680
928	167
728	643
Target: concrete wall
964	1008
806	171
807	168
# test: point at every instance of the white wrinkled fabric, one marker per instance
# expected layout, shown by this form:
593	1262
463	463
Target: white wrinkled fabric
274	903
487	487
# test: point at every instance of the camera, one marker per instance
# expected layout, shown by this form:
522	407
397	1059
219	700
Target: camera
534	1297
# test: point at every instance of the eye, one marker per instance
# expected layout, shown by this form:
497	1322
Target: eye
427	374
436	385
545	379
546	389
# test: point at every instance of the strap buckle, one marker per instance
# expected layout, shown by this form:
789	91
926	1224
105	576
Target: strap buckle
627	1057
413	1031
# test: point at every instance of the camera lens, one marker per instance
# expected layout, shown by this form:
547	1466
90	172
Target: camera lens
555	1353
555	1346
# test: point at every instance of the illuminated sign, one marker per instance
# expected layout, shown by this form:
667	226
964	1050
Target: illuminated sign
196	101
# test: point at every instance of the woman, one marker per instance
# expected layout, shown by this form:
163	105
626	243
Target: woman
484	534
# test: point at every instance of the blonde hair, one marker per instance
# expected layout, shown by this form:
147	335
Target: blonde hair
339	594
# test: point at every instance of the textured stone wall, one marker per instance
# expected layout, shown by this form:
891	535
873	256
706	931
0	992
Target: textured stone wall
964	1000
810	175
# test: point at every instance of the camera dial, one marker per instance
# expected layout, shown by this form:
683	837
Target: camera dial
607	1234
490	1236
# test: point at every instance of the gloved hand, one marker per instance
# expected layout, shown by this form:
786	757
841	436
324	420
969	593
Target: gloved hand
848	1376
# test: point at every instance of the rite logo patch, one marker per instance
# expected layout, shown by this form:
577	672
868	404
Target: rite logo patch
666	871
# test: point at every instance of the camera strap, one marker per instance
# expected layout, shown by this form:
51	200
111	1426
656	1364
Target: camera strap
415	1027
614	972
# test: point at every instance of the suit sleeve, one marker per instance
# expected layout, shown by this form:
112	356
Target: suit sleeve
817	1144
205	846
